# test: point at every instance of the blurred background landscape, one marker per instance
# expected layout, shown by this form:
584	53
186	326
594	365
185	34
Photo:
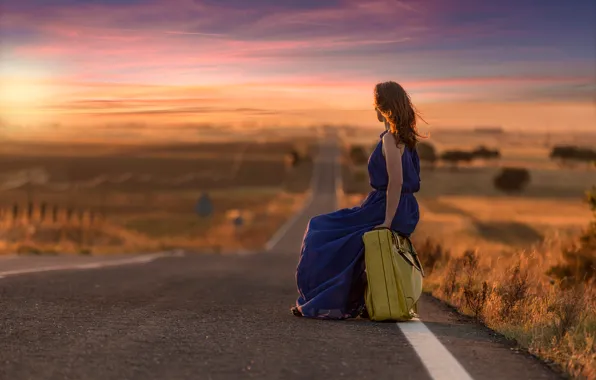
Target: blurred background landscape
99	197
133	126
122	197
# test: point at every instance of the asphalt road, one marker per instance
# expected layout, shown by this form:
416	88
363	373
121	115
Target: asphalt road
198	316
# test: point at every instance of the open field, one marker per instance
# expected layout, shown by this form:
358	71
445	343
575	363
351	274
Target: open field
118	198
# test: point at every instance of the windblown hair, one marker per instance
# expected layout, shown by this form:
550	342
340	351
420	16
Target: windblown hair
395	105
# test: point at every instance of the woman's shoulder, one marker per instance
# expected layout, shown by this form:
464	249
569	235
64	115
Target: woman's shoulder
390	137
391	141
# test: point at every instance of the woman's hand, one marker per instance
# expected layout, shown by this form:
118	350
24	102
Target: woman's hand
384	225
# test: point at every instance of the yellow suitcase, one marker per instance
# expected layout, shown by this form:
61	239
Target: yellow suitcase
394	275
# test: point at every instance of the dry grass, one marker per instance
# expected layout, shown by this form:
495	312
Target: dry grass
518	299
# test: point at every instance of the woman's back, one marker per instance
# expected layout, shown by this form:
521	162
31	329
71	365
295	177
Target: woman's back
377	169
407	214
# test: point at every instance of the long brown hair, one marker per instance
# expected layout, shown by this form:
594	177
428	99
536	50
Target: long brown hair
394	103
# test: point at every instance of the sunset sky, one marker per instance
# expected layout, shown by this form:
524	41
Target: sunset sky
522	64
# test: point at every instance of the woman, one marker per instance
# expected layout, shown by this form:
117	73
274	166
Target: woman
330	274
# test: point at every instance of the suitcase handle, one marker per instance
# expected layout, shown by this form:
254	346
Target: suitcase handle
381	228
395	236
416	264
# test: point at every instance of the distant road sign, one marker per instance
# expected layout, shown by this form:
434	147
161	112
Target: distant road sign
204	206
238	221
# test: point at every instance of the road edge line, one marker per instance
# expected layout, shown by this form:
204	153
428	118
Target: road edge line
144	259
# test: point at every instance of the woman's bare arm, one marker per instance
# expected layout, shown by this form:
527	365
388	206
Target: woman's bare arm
393	155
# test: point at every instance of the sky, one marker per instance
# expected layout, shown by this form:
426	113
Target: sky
81	64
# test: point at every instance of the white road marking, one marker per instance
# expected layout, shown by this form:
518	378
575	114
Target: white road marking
286	227
130	260
439	362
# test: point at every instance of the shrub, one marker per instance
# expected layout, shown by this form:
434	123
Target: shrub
456	156
475	292
512	179
483	152
568	309
449	285
427	152
573	153
513	291
476	295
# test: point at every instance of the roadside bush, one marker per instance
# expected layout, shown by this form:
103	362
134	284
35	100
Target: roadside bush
513	291
568	309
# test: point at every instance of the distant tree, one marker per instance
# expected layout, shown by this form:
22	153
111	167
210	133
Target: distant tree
511	180
293	158
298	155
427	153
485	153
358	155
570	153
563	153
455	157
586	155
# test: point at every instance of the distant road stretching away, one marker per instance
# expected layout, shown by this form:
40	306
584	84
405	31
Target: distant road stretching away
204	316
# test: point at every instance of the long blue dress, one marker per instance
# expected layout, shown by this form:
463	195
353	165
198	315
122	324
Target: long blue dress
330	274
